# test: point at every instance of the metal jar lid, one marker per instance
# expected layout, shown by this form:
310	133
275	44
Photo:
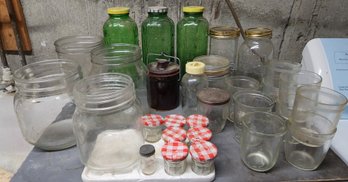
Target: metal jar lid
214	65
258	32
213	96
157	9
163	68
147	150
223	32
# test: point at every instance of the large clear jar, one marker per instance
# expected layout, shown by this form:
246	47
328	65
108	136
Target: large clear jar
78	48
107	122
217	69
43	102
224	42
255	53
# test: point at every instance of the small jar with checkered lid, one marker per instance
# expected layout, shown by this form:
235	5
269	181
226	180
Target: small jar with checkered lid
174	154
197	120
198	133
175	120
203	154
174	134
152	130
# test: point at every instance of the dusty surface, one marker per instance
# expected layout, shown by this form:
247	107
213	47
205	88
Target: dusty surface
5	176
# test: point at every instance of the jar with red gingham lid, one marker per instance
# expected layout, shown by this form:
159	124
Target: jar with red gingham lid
152	130
175	120
203	154
197	120
174	155
198	133
174	134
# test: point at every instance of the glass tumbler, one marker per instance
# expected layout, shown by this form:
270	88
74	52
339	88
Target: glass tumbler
287	89
43	102
246	102
78	48
261	140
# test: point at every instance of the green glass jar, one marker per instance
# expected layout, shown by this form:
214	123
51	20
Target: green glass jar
192	35
157	34
120	28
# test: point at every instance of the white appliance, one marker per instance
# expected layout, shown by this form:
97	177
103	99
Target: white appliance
329	58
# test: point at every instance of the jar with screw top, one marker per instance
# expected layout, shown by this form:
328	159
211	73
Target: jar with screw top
203	154
198	133
255	52
175	120
174	155
174	134
224	42
148	164
197	120
152	130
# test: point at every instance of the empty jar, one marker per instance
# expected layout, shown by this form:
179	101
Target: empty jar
152	130
203	154
43	102
175	120
174	155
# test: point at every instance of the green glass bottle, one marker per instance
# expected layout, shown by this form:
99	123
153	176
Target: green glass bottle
192	35
157	34
120	28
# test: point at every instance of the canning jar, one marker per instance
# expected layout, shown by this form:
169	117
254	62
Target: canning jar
152	130
217	68
107	122
224	42
43	102
255	52
174	155
203	154
78	48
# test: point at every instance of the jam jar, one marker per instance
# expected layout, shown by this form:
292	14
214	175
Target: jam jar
152	130
203	154
174	155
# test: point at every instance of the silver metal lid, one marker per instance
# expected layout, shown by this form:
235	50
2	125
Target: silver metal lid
157	9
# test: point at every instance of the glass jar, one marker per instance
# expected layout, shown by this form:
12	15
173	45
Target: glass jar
203	154
43	102
152	130
120	28
217	68
192	35
174	134
193	80
224	42
255	53
197	120
157	34
148	160
107	122
198	133
214	103
174	155
174	120
78	48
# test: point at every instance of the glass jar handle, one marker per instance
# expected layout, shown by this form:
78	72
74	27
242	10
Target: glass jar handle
166	56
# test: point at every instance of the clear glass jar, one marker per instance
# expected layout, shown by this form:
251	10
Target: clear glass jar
174	155
203	154
107	122
193	80
224	42
78	48
43	102
214	103
217	68
152	130
148	164
255	52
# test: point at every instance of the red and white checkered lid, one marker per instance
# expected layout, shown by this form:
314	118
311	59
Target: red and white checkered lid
201	150
196	120
174	134
152	120
174	151
200	133
175	120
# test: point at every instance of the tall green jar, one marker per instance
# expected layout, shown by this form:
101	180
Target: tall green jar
157	34
120	28
192	35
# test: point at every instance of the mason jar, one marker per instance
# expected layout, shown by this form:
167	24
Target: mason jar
107	122
43	102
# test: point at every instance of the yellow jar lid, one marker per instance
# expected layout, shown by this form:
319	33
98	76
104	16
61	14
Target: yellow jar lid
193	9
195	68
118	10
224	32
258	32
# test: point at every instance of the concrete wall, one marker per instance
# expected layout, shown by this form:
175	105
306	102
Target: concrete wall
294	22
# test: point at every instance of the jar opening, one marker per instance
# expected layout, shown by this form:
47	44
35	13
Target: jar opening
116	54
77	44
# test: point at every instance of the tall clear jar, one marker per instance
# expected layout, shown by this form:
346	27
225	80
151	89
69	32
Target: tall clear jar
107	122
193	81
78	48
43	102
224	42
255	53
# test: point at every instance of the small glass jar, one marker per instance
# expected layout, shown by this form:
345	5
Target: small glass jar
174	134
43	102
174	120
107	122
197	120
198	133
174	155
152	130
203	154
217	68
148	160
214	103
224	42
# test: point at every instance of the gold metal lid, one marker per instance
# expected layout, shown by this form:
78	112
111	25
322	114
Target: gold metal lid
258	32
224	32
